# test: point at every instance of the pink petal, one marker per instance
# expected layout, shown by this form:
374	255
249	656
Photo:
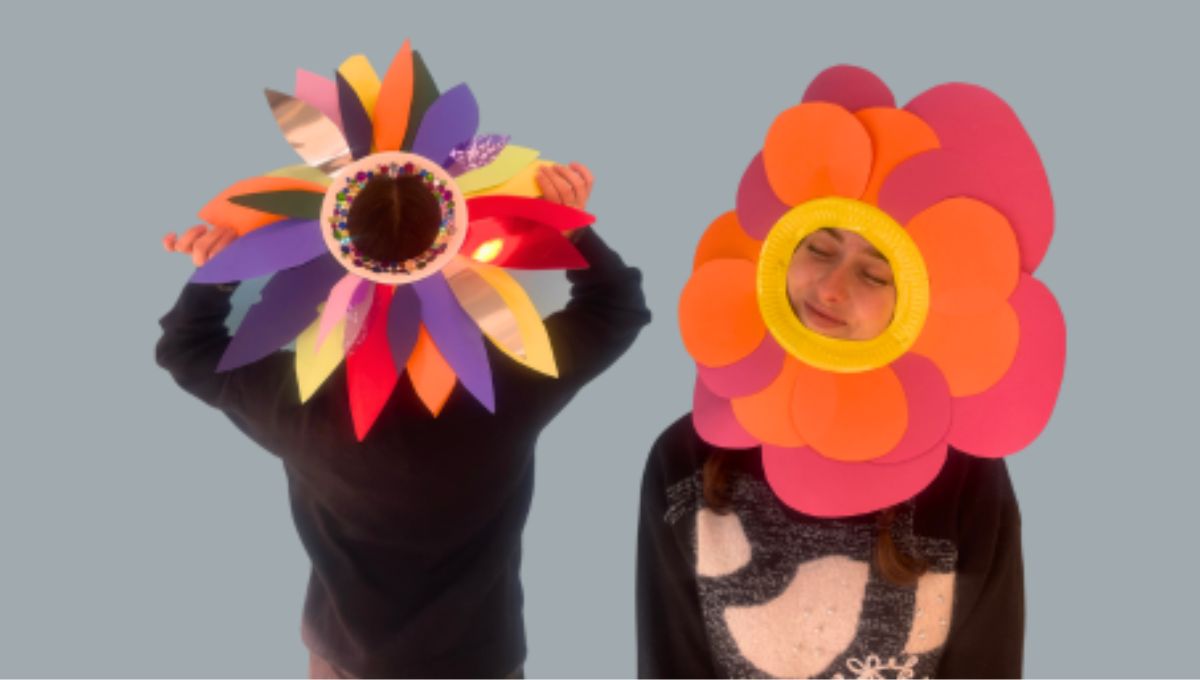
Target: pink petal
929	409
986	154
852	87
320	93
1010	415
714	421
758	208
812	484
747	376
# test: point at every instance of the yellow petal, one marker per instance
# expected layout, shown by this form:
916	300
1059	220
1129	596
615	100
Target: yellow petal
505	314
314	365
507	164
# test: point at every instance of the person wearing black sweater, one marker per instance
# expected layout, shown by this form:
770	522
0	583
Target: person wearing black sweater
414	533
733	583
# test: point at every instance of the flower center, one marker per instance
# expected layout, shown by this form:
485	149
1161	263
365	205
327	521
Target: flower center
889	238
393	217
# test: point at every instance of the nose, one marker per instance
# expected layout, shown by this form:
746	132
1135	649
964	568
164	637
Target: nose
831	288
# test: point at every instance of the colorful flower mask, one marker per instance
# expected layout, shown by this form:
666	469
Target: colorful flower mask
951	190
428	313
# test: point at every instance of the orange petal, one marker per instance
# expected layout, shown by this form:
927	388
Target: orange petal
896	135
850	417
431	375
973	350
817	149
219	212
767	414
725	239
395	99
971	253
718	313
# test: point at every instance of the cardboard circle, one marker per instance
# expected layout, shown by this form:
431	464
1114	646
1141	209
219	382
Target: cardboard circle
908	267
456	228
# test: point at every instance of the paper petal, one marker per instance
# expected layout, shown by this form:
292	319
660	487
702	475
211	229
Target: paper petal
718	313
506	165
524	183
457	337
356	120
288	305
561	217
220	212
765	414
404	324
320	93
896	136
1010	415
1019	192
475	153
520	244
714	421
818	486
749	375
505	314
758	208
425	92
816	149
361	77
336	306
395	101
316	138
852	417
302	172
297	204
432	378
451	120
725	239
314	366
357	311
370	373
264	251
929	409
850	87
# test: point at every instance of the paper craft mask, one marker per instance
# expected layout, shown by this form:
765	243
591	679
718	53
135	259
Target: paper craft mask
951	190
427	314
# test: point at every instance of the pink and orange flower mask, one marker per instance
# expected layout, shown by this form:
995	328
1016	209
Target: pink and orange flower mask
427	315
952	191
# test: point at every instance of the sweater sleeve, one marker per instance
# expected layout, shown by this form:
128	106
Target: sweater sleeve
606	312
988	637
194	338
671	638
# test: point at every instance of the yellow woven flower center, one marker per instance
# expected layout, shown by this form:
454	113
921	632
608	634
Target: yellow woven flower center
889	238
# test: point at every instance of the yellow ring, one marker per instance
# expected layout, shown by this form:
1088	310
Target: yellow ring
908	269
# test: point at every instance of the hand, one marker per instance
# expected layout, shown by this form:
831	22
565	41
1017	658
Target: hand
568	185
201	242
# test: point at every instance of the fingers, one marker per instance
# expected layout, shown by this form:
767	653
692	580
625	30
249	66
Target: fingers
568	185
169	241
185	243
208	245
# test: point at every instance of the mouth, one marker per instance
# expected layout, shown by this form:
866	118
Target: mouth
821	319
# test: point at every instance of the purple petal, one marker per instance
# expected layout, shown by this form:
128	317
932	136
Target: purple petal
356	124
404	324
457	337
288	305
481	150
450	120
264	251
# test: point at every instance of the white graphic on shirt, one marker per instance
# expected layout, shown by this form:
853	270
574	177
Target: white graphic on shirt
723	547
804	629
873	668
931	613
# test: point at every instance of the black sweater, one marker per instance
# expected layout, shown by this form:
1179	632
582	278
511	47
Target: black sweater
414	533
765	590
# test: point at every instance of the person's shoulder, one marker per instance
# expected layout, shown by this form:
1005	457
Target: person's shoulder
677	452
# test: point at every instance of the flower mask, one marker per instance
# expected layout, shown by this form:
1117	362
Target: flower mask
426	313
950	189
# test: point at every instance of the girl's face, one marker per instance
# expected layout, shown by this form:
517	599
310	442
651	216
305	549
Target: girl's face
841	286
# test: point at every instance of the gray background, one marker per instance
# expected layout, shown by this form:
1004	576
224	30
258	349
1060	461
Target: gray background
140	534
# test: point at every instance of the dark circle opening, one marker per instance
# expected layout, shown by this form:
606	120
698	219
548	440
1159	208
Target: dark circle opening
393	219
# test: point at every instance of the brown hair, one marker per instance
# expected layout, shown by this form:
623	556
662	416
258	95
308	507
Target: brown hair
894	565
394	218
